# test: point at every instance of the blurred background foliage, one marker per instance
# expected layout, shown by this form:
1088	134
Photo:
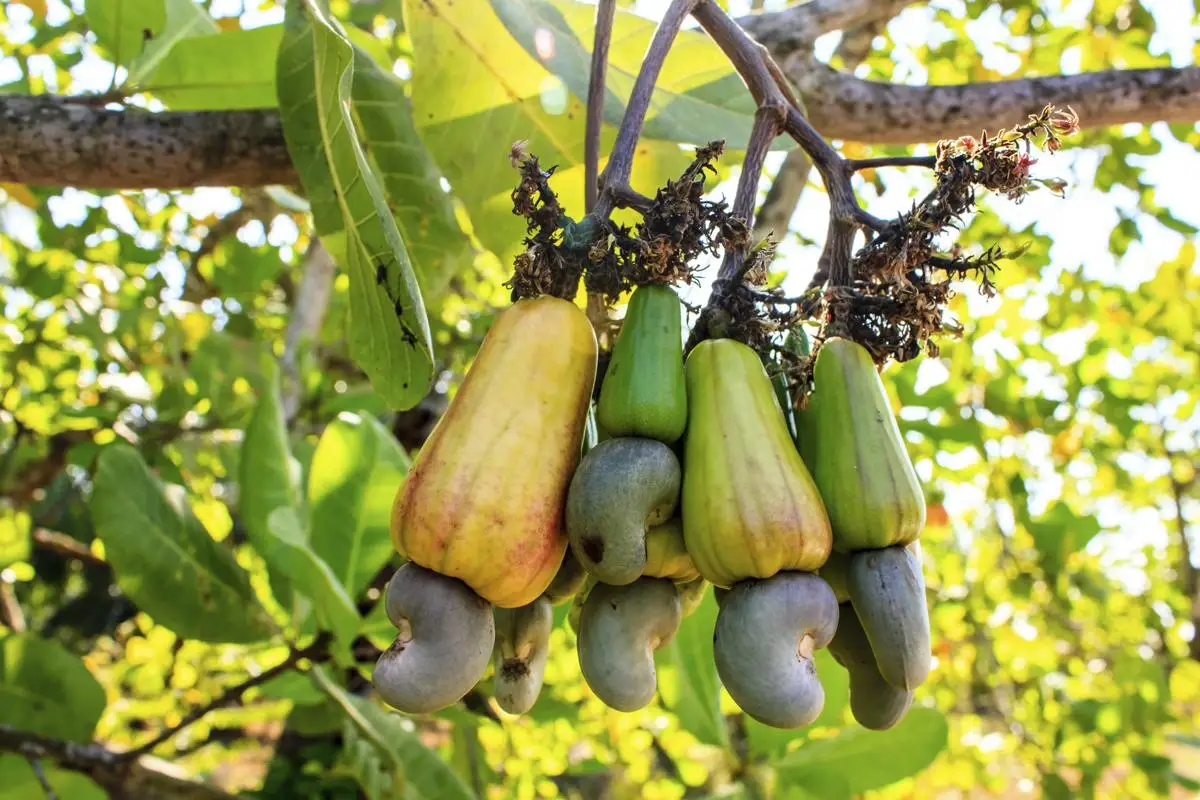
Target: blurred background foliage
147	435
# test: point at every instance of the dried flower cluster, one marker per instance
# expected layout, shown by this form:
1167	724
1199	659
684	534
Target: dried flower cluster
676	228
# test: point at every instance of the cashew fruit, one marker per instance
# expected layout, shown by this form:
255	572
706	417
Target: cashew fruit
750	508
643	391
849	439
567	581
666	555
620	627
691	594
621	488
522	643
834	573
766	634
888	593
874	702
446	636
484	499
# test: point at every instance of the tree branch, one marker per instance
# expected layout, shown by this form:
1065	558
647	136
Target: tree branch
305	320
606	10
845	107
316	651
60	141
57	141
615	177
143	777
783	198
796	28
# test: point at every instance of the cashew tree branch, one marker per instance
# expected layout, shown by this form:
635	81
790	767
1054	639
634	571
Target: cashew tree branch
62	141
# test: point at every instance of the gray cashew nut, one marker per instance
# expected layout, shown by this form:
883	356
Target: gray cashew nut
620	627
620	489
522	644
874	702
445	640
888	592
766	634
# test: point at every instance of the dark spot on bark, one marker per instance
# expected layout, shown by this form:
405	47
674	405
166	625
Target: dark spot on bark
593	547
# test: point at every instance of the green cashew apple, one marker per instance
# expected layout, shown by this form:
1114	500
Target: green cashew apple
874	702
750	508
620	627
522	644
643	393
888	593
446	636
767	632
850	441
622	488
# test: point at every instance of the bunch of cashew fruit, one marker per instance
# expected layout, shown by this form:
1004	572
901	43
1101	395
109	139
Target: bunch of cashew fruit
806	527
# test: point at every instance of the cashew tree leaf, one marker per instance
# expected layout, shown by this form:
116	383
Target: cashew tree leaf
388	329
868	759
388	751
355	472
424	211
164	559
45	689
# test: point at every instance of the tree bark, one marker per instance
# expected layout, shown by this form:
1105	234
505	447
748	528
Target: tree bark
845	107
143	777
54	141
60	141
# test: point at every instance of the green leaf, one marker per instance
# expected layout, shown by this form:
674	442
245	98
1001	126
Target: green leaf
311	576
20	782
165	560
424	211
355	472
688	678
389	332
1060	532
870	759
228	70
268	477
1055	788
185	20
393	737
124	28
46	690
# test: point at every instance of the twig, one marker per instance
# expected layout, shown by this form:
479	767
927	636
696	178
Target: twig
768	122
35	764
66	545
10	608
620	161
318	650
857	164
765	82
116	775
606	10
